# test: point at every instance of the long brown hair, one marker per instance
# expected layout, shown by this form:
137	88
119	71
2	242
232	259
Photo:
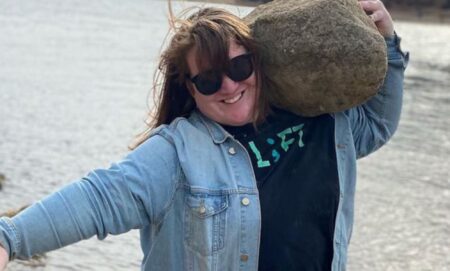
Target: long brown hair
209	31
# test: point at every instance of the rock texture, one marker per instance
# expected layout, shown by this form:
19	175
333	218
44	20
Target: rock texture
13	212
320	56
2	180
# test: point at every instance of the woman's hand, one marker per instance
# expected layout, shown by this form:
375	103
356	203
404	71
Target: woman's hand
380	16
3	258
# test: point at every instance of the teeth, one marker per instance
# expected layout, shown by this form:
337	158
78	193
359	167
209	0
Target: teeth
234	99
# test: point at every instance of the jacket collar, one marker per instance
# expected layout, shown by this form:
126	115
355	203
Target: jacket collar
215	130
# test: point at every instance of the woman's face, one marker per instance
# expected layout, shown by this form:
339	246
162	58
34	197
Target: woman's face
233	104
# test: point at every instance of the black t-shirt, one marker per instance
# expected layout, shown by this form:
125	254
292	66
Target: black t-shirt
294	160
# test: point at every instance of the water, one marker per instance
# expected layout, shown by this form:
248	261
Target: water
75	77
403	193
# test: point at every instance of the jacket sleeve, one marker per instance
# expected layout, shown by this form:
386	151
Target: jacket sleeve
130	194
374	122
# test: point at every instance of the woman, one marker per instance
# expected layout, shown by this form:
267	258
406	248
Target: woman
221	181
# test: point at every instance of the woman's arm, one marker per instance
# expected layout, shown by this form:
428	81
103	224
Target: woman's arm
374	122
130	194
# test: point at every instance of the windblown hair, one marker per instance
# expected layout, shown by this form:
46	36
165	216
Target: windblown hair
208	31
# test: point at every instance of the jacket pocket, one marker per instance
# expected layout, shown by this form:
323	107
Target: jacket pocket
205	222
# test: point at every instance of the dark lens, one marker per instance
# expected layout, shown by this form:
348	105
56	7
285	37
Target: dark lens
241	67
208	82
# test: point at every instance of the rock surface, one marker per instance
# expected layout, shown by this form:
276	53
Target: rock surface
13	212
2	180
320	56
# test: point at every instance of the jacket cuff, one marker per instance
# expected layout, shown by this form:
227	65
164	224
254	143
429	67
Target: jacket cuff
7	228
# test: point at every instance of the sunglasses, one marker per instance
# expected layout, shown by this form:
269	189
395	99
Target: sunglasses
209	82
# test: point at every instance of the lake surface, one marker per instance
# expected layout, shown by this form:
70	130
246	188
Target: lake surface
74	84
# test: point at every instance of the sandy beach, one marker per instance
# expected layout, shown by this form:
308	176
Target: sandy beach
74	84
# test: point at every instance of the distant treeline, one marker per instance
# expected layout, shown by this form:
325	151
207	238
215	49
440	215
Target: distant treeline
445	4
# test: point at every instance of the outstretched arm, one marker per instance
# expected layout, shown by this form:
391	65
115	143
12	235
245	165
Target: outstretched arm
131	194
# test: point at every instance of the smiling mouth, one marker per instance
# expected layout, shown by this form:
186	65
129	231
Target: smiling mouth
234	99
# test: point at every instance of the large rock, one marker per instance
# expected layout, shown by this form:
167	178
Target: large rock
320	56
2	180
13	212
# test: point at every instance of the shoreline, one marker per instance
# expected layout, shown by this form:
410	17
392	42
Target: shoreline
76	91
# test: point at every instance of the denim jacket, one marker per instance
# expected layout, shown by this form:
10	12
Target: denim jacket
191	190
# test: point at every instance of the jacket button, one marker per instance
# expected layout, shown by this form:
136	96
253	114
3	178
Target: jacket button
202	210
245	201
232	151
244	257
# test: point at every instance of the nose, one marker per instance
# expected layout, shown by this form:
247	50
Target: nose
228	85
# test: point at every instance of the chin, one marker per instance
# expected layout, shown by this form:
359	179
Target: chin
239	122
